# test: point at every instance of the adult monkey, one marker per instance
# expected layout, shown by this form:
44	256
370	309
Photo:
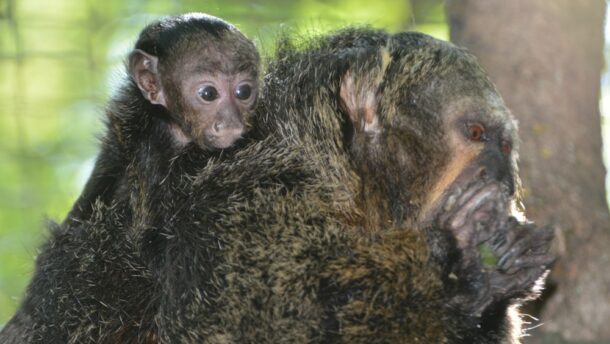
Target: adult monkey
368	211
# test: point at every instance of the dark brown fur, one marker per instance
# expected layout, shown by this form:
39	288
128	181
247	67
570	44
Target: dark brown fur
326	231
335	221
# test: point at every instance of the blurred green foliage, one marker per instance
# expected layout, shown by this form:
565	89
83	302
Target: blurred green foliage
59	62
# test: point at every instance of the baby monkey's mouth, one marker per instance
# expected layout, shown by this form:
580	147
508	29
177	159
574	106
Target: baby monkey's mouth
221	139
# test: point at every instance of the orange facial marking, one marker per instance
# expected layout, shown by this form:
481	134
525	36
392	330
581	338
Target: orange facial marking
462	154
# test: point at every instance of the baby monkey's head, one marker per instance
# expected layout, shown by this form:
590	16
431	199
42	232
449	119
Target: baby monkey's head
203	71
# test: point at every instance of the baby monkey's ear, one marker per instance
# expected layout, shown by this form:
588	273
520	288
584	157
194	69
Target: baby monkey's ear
143	69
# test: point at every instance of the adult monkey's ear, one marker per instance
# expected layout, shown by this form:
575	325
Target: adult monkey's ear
143	69
359	100
358	92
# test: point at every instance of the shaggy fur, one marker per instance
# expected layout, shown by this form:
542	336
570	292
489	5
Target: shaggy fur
309	231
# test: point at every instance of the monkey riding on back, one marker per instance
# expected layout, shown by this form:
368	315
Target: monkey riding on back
379	172
192	87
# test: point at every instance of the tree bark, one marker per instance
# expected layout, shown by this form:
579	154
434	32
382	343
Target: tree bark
546	58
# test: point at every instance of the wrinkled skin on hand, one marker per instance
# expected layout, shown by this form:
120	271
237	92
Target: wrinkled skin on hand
478	218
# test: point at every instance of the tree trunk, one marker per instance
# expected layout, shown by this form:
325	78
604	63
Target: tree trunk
546	58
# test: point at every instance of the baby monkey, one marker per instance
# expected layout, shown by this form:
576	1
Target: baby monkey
192	81
192	86
202	72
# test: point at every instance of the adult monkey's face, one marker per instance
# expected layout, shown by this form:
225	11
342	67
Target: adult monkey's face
435	148
429	125
479	172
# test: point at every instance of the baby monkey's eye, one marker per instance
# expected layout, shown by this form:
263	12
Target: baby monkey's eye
208	93
476	132
243	92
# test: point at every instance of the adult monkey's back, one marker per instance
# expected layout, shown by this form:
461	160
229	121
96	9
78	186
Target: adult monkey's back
384	178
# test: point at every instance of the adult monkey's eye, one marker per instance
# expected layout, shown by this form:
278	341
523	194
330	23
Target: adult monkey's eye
506	147
476	132
208	93
243	91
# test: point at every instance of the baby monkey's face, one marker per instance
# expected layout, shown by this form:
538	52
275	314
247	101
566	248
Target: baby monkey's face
207	83
211	91
215	106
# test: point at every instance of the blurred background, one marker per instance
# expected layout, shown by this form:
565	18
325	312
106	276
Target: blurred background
60	61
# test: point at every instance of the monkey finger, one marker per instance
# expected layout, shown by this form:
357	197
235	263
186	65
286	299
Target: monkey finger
456	200
470	191
546	235
482	199
521	263
515	232
503	241
505	287
504	236
537	239
491	221
517	245
532	244
523	282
